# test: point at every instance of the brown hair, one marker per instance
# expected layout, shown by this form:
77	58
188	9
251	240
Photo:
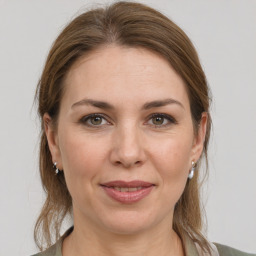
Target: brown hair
126	24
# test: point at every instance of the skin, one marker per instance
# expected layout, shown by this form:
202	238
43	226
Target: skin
126	144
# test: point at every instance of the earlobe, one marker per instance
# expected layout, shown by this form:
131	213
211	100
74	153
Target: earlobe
200	137
52	138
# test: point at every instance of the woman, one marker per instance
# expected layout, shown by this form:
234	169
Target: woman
124	106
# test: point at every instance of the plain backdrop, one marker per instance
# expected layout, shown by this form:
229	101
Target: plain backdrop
223	32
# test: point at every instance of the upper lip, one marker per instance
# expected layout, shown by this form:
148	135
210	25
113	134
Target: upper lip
127	184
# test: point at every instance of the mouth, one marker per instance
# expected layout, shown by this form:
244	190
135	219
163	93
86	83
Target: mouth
127	189
127	192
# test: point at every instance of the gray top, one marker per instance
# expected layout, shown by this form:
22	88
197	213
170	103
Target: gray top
190	248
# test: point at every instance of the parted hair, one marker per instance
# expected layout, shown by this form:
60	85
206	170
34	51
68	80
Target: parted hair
127	24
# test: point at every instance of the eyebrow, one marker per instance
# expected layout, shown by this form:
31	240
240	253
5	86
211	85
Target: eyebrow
161	103
146	106
95	103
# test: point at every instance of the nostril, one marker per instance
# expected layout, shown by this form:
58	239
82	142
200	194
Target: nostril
128	165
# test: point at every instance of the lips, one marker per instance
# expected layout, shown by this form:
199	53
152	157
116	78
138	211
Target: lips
129	184
127	192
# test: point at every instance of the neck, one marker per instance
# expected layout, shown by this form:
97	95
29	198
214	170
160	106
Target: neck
162	241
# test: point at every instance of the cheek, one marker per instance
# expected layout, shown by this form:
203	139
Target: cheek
82	156
173	154
82	159
172	160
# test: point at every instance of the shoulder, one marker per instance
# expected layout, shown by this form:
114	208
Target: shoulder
55	250
228	251
52	251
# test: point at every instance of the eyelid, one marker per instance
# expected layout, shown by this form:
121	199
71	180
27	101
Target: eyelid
171	120
84	120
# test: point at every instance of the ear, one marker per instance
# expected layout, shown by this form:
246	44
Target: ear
52	138
199	139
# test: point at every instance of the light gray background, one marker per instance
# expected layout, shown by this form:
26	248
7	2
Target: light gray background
224	33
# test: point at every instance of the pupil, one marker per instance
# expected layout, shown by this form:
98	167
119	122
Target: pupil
96	120
158	120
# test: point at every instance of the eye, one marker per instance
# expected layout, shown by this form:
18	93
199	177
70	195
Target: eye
94	120
160	120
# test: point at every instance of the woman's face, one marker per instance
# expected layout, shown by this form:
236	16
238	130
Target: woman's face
124	139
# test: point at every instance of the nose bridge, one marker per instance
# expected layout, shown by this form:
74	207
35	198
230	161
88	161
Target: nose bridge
129	139
128	150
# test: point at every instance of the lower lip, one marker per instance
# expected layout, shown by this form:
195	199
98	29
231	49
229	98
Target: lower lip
127	197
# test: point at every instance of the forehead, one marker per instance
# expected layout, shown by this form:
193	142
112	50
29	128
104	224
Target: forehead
114	72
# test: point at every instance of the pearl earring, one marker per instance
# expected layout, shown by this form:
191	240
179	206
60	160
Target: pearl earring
56	168
191	173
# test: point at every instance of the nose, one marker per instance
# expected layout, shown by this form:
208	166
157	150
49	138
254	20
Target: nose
127	147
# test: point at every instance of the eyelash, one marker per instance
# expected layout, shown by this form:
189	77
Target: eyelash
84	120
169	118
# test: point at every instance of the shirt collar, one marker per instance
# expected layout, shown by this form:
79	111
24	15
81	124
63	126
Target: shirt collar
189	245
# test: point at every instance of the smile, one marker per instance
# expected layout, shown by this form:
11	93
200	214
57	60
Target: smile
127	192
127	189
